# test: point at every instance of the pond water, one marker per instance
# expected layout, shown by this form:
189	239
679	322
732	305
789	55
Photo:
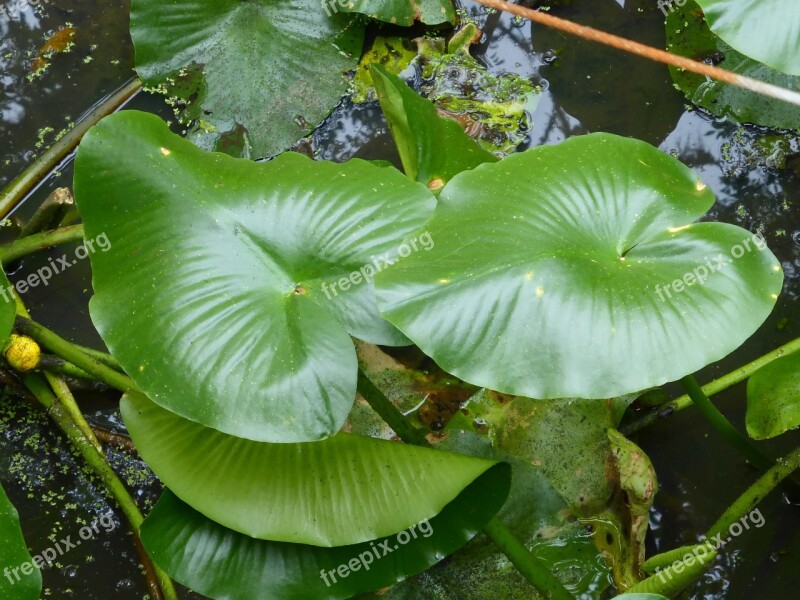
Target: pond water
588	88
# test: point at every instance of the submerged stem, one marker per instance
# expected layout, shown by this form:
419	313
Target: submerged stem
723	426
40	241
528	564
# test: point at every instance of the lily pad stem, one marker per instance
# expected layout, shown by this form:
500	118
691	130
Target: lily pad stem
68	351
723	426
529	565
40	241
34	173
714	387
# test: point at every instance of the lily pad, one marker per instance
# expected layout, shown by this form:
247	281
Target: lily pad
221	563
264	71
689	35
578	270
773	398
231	288
399	12
765	30
345	490
433	149
22	579
392	53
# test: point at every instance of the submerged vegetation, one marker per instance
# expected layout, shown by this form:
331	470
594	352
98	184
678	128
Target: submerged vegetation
407	379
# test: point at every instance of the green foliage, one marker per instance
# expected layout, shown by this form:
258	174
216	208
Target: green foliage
433	149
573	270
250	78
689	35
215	561
400	12
8	307
765	30
14	582
340	491
221	292
773	398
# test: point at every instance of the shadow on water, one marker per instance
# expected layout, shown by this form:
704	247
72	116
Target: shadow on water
587	88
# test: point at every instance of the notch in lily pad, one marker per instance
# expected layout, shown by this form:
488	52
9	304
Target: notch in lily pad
580	270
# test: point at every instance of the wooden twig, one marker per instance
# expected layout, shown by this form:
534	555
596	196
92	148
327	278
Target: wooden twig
656	54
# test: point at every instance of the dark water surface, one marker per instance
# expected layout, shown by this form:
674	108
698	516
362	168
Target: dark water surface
588	89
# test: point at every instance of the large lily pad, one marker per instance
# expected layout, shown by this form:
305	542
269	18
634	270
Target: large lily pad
222	292
262	72
773	398
689	35
578	270
21	579
221	563
766	30
399	12
344	490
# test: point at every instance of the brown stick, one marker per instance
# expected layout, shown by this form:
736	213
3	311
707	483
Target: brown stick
114	439
626	45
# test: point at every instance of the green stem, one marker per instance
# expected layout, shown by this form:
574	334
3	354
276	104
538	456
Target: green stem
58	366
40	241
39	388
38	170
103	357
71	407
715	387
528	564
50	212
723	426
388	412
782	469
68	351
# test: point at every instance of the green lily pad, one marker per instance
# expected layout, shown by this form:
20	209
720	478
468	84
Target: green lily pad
773	398
578	270
398	12
230	288
265	72
765	30
21	579
689	35
8	307
221	563
640	597
345	490
433	149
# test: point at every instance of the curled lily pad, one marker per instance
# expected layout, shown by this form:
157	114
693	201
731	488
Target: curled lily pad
433	149
578	270
398	12
230	288
214	560
263	73
773	398
766	30
689	35
22	579
344	490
